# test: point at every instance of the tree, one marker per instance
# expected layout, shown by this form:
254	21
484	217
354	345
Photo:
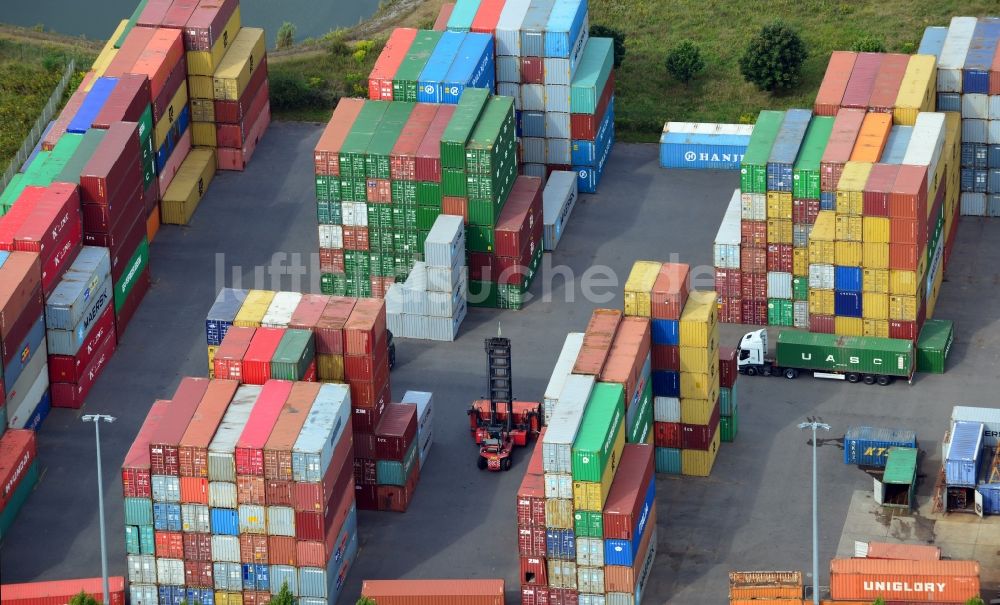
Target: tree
773	59
878	601
868	44
603	31
286	36
975	601
284	596
366	601
684	61
83	599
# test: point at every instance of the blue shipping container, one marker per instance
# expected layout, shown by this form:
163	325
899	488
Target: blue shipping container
847	279
173	137
220	317
92	105
665	332
623	552
933	40
200	596
38	148
166	517
847	304
896	144
224	522
979	60
429	84
584	152
993	156
256	577
564	27
827	200
993	181
666	383
560	544
720	150
973	181
991	497
170	595
533	124
34	422
786	148
949	101
589	177
473	67
964	453
975	155
869	446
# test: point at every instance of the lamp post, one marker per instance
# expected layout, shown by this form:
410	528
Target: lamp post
97	419
814	424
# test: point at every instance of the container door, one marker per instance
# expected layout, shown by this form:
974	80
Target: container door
879	492
979	502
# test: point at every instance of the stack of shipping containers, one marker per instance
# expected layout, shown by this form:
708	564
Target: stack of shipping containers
988	478
387	461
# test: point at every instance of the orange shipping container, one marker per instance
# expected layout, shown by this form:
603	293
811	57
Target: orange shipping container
169	544
907	552
59	592
765	585
434	592
281	551
872	137
628	353
670	291
831	91
278	449
326	154
380	78
194	490
193	450
932	581
597	341
161	55
254	549
128	54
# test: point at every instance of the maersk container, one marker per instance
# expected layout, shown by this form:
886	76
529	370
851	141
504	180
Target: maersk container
953	54
508	31
463	15
557	444
591	75
704	146
753	168
430	88
933	40
869	446
786	149
965	453
847	354
533	28
805	173
896	144
565	22
77	290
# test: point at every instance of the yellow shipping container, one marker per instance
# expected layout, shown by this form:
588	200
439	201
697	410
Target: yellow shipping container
779	204
848	254
903	308
875	280
700	359
590	495
874	305
211	360
876	229
200	86
822	253
821	302
850	188
254	307
878	328
697	411
638	287
779	231
106	55
849	228
917	91
170	113
699	319
800	261
825	227
203	62
696	463
848	326
329	368
228	598
189	185
203	134
903	282
874	255
202	110
701	386
244	55
559	513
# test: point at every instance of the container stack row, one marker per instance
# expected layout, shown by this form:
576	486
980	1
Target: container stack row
387	461
968	82
18	471
233	491
963	460
433	301
22	341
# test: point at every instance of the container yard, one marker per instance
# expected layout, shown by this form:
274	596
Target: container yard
292	397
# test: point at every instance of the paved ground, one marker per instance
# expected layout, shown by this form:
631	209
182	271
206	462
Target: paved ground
754	512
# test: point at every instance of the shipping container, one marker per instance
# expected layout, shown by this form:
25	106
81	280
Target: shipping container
965	453
786	148
806	172
434	592
598	445
953	54
840	145
881	356
866	579
221	451
392	55
60	592
317	440
869	447
835	79
564	424
753	169
706	146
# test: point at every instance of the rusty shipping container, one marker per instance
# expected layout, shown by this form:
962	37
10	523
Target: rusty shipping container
597	340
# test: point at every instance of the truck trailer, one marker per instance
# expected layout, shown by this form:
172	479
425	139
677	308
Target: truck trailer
851	358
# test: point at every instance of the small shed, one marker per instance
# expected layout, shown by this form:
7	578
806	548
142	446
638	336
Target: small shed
898	486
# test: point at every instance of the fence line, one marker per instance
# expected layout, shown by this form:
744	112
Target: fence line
36	131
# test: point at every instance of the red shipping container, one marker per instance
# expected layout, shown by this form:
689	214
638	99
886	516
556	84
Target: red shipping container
250	490
126	204
396	431
628	354
395	498
161	102
181	149
697	436
880	183
780	257
908	231
365	470
441	22
919	581
281	551
193	447
388	62
597	341
331	260
754	286
822	324
235	112
403	157
250	445
198	574
534	571
18	449
905	330
905	257
535	595
207	22
60	592
583	126
753	233
621	578
169	544
114	165
229	158
135	469
728	282
356	238
167	433
908	198
429	151
315	497
255	548
256	597
667	434
329	331
18	214
670	291
53	230
887	82
311	526
627	497
381	285
846	127
229	356
364	330
805	211
366	497
754	312
487	16
326	154
69	368
124	239
519	216
153	14
728	369
731	309
316	554
278	449
532	70
279	493
366	393
530	501
257	360
197	546
129	52
163	52
752	261
456	206
126	102
531	542
194	490
666	357
233	134
835	79
73	394
513	271
20	298
862	81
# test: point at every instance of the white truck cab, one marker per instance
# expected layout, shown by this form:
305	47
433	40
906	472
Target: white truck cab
753	349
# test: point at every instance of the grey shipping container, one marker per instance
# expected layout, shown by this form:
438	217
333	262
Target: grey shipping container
281	521
331	412
557	125
226	549
280	574
221	461
227	304
558	201
166	488
75	293
558	151
536	170
533	124
557	98
532	150
228	576
786	148
975	131
949	101
222	494
533	28
508	69
509	89
508	30
68	341
195	518
533	97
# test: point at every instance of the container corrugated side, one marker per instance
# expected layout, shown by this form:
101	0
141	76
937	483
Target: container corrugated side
438	592
221	451
726	248
806	174
953	54
561	371
557	445
508	31
326	421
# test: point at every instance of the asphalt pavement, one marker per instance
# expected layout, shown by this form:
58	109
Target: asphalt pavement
752	513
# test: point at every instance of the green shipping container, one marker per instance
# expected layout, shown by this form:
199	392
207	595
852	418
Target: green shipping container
463	15
478	238
603	421
668	460
642	420
461	126
352	152
588	524
139	540
800	288
334	284
482	294
382	264
18	498
484	212
453	183
404	192
329	213
138	511
130	277
861	354
391	472
379	216
805	175
491	138
84	151
131	22
429	194
780	312
934	344
753	169
727	400
591	75
729	426
426	215
384	139
404	83
11	192
295	352
404	218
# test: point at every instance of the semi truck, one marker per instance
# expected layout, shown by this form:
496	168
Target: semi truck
852	358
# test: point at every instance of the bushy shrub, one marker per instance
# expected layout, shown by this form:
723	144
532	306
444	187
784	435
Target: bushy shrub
773	59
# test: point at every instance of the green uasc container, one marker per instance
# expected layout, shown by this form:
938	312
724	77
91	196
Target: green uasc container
588	524
591	75
668	460
729	426
404	218
352	152
642	420
482	294
861	354
130	277
379	216
393	472
429	194
384	139
296	350
603	420
404	83
753	169
780	312
459	130
805	173
934	344
84	151
18	498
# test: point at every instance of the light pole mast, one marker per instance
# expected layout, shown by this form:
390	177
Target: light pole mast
815	424
97	419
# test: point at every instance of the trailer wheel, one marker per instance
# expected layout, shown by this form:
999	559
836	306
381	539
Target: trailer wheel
884	380
853	378
751	371
481	463
869	379
791	373
506	464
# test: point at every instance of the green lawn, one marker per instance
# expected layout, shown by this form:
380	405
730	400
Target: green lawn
646	97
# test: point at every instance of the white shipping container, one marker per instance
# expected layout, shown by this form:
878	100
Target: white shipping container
533	97
558	71
558	151
994	107
558	485
330	413
331	236
726	249
972	204
558	200
405	325
445	279
821	277
170	572
166	488
394	301
508	30
227	576
990	417
447	304
557	98
509	89
590	552
508	70
445	329
18	417
354	214
425	414
953	54
533	152
976	106
976	131
221	463
279	313
590	579
142	594
562	369
992	131
753	206
195	518
557	125
666	409
226	549
557	445
415	290
253	519
445	244
800	313
394	323
281	521
222	494
779	284
141	569
708	128
925	146
595	599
